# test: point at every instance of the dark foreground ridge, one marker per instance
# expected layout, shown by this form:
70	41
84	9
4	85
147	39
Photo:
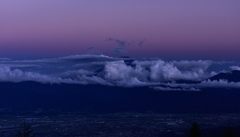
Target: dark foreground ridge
118	125
106	99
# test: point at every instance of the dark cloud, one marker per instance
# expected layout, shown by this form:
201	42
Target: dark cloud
126	43
175	89
91	47
86	58
141	42
119	50
119	42
110	39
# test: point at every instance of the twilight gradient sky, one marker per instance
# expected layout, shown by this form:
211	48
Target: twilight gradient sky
188	29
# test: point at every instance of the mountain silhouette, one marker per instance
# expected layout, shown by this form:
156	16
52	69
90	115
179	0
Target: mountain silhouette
29	96
233	76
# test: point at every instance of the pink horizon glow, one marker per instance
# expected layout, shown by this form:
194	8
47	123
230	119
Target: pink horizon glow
171	28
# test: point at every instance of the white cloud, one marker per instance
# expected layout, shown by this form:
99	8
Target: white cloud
150	72
100	69
207	84
83	76
16	75
167	71
234	67
199	65
220	83
87	57
5	59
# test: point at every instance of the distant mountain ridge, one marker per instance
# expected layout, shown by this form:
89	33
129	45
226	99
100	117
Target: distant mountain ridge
95	98
233	76
31	96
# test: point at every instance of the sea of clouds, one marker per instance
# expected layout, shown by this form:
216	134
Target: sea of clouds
159	74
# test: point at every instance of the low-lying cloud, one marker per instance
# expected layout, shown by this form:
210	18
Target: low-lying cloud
175	89
234	67
17	75
100	69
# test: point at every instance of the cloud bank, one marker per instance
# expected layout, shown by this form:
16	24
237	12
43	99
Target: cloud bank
161	75
235	67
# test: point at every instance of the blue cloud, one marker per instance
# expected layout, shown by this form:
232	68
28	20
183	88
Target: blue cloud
119	50
120	42
91	47
141	42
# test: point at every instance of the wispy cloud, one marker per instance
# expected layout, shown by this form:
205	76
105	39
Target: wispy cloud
17	75
119	42
92	51
234	67
175	89
90	47
141	42
5	59
119	50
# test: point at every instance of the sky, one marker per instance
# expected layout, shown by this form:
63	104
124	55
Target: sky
169	29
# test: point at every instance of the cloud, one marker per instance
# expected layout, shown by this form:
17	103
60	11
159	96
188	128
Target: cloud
141	42
5	59
71	58
133	82
91	47
193	65
86	58
175	89
119	42
234	67
17	75
105	70
84	76
206	84
220	83
163	71
119	71
148	73
119	50
70	77
18	65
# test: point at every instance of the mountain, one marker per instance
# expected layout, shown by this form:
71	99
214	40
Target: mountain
30	96
233	76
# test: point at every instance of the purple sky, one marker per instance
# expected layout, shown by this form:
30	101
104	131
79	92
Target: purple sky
202	29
